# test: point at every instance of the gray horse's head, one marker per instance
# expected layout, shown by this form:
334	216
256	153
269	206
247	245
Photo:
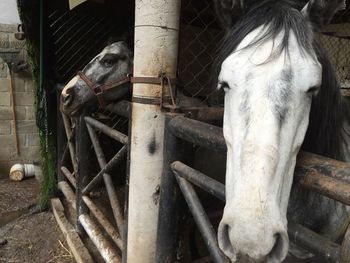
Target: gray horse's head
112	64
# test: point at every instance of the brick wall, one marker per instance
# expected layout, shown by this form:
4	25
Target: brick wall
24	107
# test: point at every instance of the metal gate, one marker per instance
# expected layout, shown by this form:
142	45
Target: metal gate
110	233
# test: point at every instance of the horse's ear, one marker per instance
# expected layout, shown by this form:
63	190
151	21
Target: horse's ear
225	10
321	12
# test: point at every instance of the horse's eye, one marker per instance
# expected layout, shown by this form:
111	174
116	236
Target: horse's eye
108	62
313	90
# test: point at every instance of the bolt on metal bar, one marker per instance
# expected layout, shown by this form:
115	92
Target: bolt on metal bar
69	176
112	194
106	169
199	179
104	222
201	220
116	135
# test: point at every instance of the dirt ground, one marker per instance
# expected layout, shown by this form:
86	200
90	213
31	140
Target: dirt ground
33	238
27	237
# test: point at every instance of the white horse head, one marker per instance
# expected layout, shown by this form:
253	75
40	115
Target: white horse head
270	72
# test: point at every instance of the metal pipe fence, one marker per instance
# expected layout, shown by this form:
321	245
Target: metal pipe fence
200	35
310	168
85	136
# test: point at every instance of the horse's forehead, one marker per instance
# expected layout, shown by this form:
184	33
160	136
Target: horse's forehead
258	62
114	48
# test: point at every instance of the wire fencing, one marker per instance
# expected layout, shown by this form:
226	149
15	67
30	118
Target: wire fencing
200	35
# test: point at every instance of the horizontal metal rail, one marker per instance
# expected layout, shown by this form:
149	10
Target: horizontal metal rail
328	186
299	234
198	133
199	179
309	168
314	242
114	134
122	108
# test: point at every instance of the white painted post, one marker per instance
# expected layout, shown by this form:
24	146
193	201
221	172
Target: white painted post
156	47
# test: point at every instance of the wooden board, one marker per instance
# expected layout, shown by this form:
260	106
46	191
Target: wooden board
76	246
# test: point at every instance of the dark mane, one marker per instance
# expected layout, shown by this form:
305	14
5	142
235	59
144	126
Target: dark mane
328	112
276	16
324	135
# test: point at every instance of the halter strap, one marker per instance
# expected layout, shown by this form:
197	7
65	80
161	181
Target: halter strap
99	89
161	80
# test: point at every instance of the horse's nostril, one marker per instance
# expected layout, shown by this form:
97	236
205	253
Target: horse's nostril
280	248
66	98
224	240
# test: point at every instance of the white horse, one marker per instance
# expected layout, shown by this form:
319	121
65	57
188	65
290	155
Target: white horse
279	87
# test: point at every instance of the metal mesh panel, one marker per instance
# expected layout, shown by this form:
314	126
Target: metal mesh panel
200	35
336	40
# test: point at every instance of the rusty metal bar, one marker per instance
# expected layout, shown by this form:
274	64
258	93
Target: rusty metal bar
202	220
199	179
314	242
112	194
68	193
70	141
106	169
299	234
328	186
204	114
102	244
199	133
116	135
326	166
121	108
308	165
69	176
104	222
